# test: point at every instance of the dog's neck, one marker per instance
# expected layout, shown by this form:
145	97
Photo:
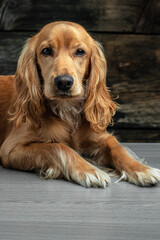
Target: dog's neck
69	111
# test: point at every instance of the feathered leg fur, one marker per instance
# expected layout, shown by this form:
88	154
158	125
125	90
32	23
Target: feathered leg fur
109	152
54	160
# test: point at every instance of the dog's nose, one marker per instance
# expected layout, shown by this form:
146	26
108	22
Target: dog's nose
63	82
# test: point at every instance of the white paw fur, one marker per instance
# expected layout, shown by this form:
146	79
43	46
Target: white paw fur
50	173
96	178
148	178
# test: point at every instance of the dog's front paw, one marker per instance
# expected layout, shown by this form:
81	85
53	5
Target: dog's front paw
93	178
148	177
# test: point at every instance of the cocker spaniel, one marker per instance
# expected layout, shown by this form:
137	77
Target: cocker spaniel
55	110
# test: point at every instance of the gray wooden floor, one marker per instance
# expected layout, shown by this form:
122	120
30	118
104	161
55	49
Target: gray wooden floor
31	208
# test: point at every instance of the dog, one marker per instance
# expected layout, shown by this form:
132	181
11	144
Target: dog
55	110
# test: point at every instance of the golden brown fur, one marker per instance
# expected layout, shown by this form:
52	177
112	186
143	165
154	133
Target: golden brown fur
48	129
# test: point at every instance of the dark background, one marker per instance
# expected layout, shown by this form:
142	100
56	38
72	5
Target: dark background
130	33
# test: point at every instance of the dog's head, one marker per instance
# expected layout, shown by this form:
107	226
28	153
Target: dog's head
64	62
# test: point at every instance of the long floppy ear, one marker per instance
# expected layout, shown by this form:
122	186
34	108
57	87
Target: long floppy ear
99	107
28	101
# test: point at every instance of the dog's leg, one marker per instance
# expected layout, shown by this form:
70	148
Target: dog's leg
129	168
110	153
54	160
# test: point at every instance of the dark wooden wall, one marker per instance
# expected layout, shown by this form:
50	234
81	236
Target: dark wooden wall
130	33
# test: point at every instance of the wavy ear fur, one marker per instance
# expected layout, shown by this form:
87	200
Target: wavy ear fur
28	98
99	107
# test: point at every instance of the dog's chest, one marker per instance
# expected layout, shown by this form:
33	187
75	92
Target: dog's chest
60	132
74	142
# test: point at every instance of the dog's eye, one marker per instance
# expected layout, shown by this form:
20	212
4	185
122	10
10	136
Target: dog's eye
47	52
80	52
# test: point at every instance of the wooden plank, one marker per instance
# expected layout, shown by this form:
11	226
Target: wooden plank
35	209
149	20
11	44
134	76
95	15
136	134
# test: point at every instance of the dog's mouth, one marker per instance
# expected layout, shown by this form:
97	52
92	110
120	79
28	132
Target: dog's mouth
63	96
66	94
